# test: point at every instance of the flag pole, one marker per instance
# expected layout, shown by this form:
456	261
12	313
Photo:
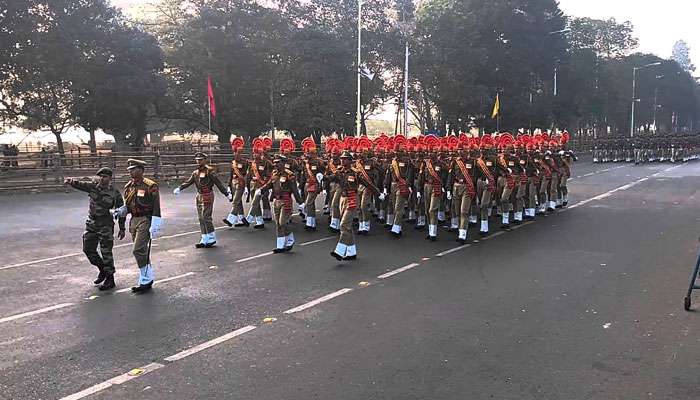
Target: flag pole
209	113
358	122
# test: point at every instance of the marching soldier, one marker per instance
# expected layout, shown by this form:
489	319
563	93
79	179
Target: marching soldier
432	177
399	179
142	201
99	227
461	184
311	180
348	180
368	171
283	185
237	185
487	175
258	176
204	179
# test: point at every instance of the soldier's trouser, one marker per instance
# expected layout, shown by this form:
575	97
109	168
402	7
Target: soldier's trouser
391	204
399	204
99	233
553	187
266	200
563	188
531	192
365	198
521	189
205	206
255	209
310	202
504	202
486	202
138	228
237	203
432	204
542	192
347	215
281	218
335	201
461	204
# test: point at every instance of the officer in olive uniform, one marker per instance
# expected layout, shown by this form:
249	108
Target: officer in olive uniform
283	185
142	201
99	227
204	178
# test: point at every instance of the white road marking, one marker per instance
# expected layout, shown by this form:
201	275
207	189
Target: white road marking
318	240
117	380
35	312
398	271
589	174
254	257
159	281
446	252
208	344
318	301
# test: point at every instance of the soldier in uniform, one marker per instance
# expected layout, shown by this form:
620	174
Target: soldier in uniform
348	180
237	185
461	184
432	177
399	179
258	176
366	167
142	201
311	180
204	179
487	175
283	185
99	227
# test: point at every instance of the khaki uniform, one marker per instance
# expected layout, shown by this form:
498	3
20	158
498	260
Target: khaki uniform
283	187
399	179
204	178
309	181
258	177
142	200
461	180
237	184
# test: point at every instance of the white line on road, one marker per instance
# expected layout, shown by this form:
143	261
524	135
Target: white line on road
117	380
318	240
159	281
446	252
208	344
318	301
398	271
254	257
35	312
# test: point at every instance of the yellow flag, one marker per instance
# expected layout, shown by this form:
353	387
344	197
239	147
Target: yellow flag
496	108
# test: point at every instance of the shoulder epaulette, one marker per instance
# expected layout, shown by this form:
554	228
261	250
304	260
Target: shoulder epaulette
149	182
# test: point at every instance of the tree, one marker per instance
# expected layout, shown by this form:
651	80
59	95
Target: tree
681	55
608	38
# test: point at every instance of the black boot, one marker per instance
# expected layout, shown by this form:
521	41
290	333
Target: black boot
243	222
142	288
108	283
280	251
227	223
100	277
200	245
336	256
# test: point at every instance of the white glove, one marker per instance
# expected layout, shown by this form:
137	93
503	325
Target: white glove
449	195
257	193
418	195
382	196
561	152
245	192
176	191
319	177
510	171
301	207
230	195
120	212
156	222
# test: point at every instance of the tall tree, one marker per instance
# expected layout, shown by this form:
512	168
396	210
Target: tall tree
681	55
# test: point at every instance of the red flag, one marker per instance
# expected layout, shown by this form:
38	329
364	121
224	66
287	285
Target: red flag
210	94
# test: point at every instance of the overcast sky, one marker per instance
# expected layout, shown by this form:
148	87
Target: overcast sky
658	24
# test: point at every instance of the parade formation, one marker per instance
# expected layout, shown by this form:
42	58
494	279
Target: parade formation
426	181
644	149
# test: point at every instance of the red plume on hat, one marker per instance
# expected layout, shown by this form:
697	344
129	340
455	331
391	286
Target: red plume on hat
565	137
237	144
399	142
487	142
364	144
287	145
308	145
432	142
258	145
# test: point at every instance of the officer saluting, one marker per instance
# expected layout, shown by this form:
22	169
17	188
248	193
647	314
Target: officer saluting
142	200
99	227
204	179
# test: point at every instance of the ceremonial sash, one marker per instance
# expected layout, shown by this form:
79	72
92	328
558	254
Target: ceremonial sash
489	176
403	186
467	178
360	169
237	172
523	178
312	182
352	198
436	181
547	170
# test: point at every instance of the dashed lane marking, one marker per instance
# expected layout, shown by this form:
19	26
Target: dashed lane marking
160	281
318	301
35	312
446	252
208	344
117	380
398	271
318	240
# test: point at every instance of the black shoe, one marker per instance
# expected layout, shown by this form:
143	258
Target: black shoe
461	241
517	222
100	277
242	223
302	215
361	233
228	223
483	234
558	206
200	245
505	227
419	227
336	256
551	210
326	213
432	238
209	245
310	228
261	226
334	230
108	283
411	221
279	251
350	258
564	204
289	248
396	235
142	288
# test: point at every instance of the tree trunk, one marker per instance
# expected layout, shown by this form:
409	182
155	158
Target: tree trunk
59	144
93	142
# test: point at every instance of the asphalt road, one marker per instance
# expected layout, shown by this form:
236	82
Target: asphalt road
582	304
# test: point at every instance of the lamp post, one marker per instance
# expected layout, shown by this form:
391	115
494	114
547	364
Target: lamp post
634	91
406	28
358	121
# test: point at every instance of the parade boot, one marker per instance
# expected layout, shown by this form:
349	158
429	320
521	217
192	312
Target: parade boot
146	277
310	223
242	222
432	233
335	225
389	221
231	220
484	231
396	231
518	217
462	236
100	276
473	219
289	242
259	223
551	207
339	252
411	216
362	228
202	243
454	224
280	246
441	216
108	283
565	201
505	220
267	215
211	240
351	253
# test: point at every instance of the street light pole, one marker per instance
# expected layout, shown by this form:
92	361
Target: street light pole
634	92
358	122
405	94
